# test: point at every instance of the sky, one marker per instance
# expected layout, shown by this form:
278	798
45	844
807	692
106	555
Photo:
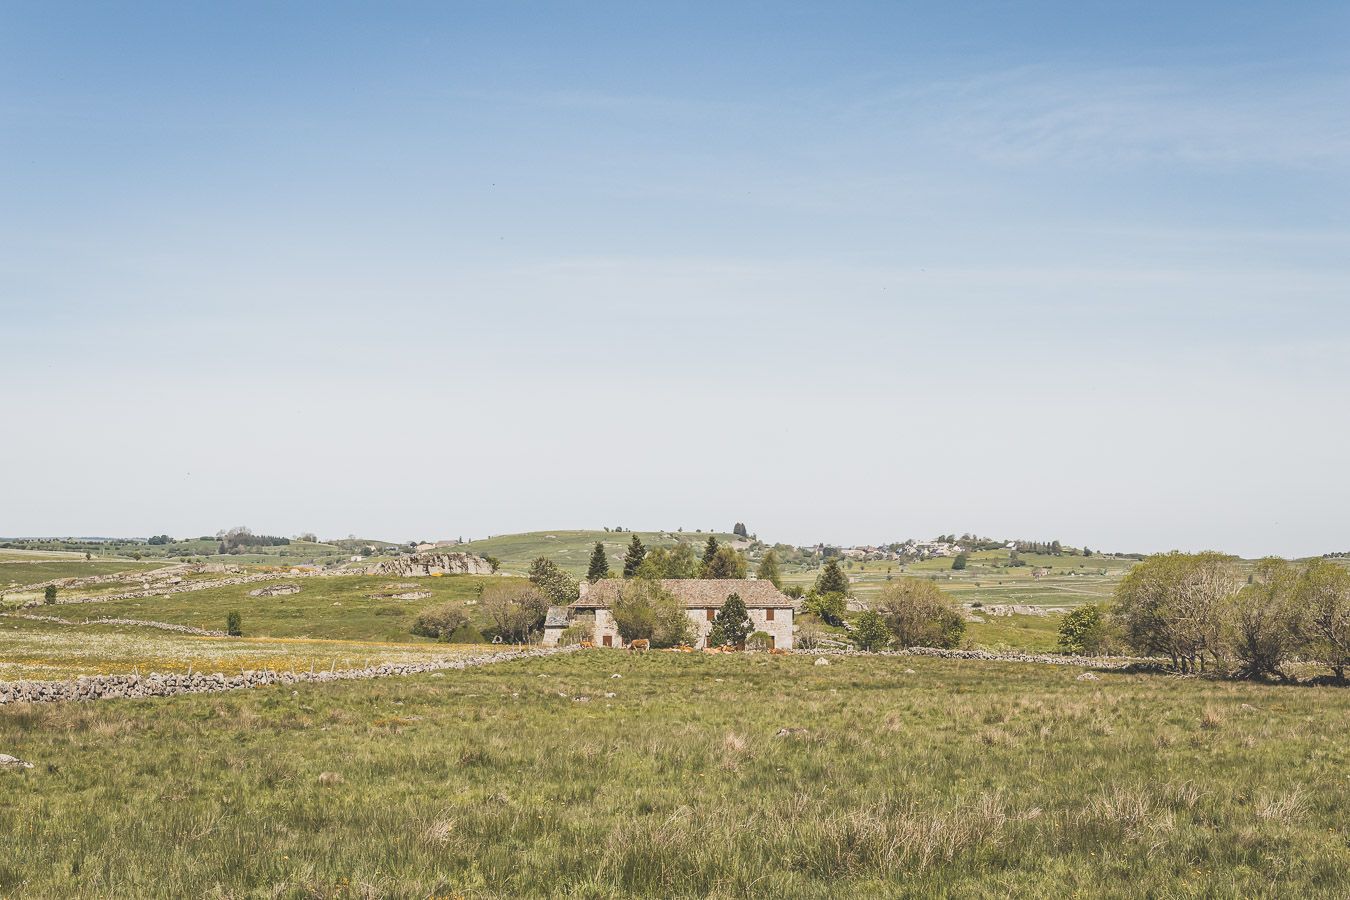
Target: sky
846	272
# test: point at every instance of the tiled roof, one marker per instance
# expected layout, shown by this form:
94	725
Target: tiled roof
694	592
556	618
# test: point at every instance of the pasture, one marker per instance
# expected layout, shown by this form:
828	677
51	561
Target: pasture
688	776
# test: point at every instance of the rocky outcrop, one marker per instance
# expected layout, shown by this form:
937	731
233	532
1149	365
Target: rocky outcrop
109	687
424	564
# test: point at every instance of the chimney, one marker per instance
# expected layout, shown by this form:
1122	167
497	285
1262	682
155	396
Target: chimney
583	587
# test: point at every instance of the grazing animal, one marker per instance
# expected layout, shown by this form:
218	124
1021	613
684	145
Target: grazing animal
641	645
586	645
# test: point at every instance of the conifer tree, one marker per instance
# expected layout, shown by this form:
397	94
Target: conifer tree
768	570
633	559
709	551
832	580
599	567
732	625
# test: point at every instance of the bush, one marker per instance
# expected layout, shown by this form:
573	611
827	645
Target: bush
809	633
760	640
234	624
794	591
515	610
644	609
578	631
920	615
828	607
1083	630
870	631
49	595
1260	623
466	634
440	622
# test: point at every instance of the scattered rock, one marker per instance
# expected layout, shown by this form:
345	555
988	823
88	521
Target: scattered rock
1087	676
275	590
791	732
10	762
615	675
909	671
331	778
822	661
610	694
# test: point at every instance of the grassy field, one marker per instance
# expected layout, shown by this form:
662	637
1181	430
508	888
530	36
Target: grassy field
336	607
32	650
34	569
572	549
1069	581
895	777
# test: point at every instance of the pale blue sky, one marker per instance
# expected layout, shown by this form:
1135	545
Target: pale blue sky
846	272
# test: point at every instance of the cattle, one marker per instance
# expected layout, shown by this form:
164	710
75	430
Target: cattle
641	645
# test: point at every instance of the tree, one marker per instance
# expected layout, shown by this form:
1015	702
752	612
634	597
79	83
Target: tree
920	615
234	624
514	609
599	567
440	622
709	551
1260	622
49	594
1323	598
682	563
740	529
1170	605
493	562
1083	630
768	570
726	563
646	610
870	632
829	607
633	559
732	625
832	579
559	587
959	562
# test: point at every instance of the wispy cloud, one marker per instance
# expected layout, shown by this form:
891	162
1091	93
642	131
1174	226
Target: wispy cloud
1127	116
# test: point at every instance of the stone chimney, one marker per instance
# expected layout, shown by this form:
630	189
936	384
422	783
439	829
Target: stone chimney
583	587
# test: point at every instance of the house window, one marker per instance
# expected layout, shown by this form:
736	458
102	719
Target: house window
768	614
712	614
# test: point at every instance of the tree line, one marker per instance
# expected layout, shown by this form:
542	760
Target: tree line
1198	611
681	561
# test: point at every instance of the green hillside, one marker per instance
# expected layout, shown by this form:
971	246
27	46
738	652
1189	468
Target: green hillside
572	549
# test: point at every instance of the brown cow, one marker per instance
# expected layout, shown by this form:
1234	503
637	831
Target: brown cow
641	645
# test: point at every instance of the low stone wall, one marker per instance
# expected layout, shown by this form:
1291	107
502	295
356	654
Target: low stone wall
163	626
1051	659
110	687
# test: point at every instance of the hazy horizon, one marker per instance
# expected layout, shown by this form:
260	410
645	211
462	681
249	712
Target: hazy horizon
850	274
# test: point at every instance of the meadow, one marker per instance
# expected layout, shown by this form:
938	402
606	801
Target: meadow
688	776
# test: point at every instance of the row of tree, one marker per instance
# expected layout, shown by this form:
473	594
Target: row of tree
680	561
1197	610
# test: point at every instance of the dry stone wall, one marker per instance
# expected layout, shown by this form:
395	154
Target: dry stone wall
110	687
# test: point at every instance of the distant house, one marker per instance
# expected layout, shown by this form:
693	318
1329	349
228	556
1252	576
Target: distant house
771	611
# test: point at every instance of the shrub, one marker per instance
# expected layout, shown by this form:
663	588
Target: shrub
809	633
49	595
794	591
870	631
578	631
1083	630
559	587
234	624
1323	599
959	562
919	614
644	609
440	622
1260	622
466	634
829	607
515	609
1171	604
760	640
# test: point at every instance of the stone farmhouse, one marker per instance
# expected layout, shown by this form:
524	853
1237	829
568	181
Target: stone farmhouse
771	611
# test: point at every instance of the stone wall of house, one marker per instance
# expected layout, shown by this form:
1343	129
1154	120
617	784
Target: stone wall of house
780	628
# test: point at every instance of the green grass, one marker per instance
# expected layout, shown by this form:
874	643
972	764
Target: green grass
572	549
955	779
22	573
334	607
